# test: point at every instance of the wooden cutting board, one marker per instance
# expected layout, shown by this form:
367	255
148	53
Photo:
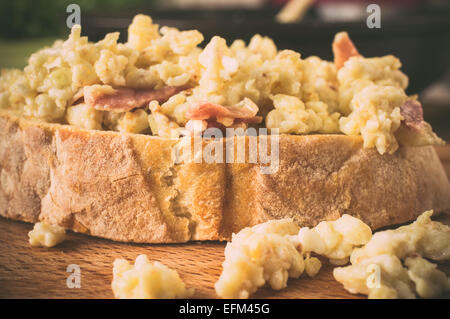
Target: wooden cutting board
27	272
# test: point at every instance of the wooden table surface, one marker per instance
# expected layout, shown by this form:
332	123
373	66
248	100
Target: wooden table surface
27	272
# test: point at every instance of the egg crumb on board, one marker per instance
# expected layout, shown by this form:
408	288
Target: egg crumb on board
276	250
147	280
334	239
398	259
260	254
46	235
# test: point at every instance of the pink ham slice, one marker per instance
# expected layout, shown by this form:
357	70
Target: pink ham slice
125	99
343	49
412	113
206	110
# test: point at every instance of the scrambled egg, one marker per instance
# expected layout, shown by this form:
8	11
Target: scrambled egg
312	266
371	91
388	249
257	255
291	115
276	250
376	116
84	116
134	122
429	281
390	264
425	237
392	281
147	280
46	235
359	72
334	239
295	95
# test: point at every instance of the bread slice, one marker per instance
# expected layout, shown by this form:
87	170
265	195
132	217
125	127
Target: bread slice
126	187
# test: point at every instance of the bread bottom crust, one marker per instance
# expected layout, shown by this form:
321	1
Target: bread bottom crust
126	187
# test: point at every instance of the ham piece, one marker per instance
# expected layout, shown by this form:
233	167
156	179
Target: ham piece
412	113
206	111
343	49
126	99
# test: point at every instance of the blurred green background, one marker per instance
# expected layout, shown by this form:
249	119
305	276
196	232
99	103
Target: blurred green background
28	25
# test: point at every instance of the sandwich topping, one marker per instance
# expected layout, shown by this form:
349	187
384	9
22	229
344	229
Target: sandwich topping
124	99
161	82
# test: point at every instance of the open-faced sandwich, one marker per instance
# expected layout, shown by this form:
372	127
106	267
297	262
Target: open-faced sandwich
101	138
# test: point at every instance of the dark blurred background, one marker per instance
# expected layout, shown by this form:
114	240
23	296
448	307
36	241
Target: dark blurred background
417	31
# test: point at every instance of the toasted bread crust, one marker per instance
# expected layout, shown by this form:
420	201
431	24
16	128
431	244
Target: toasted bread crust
126	187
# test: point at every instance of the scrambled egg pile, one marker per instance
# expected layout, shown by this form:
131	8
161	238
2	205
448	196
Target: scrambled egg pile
147	280
259	254
276	250
389	264
336	239
399	258
46	235
297	96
